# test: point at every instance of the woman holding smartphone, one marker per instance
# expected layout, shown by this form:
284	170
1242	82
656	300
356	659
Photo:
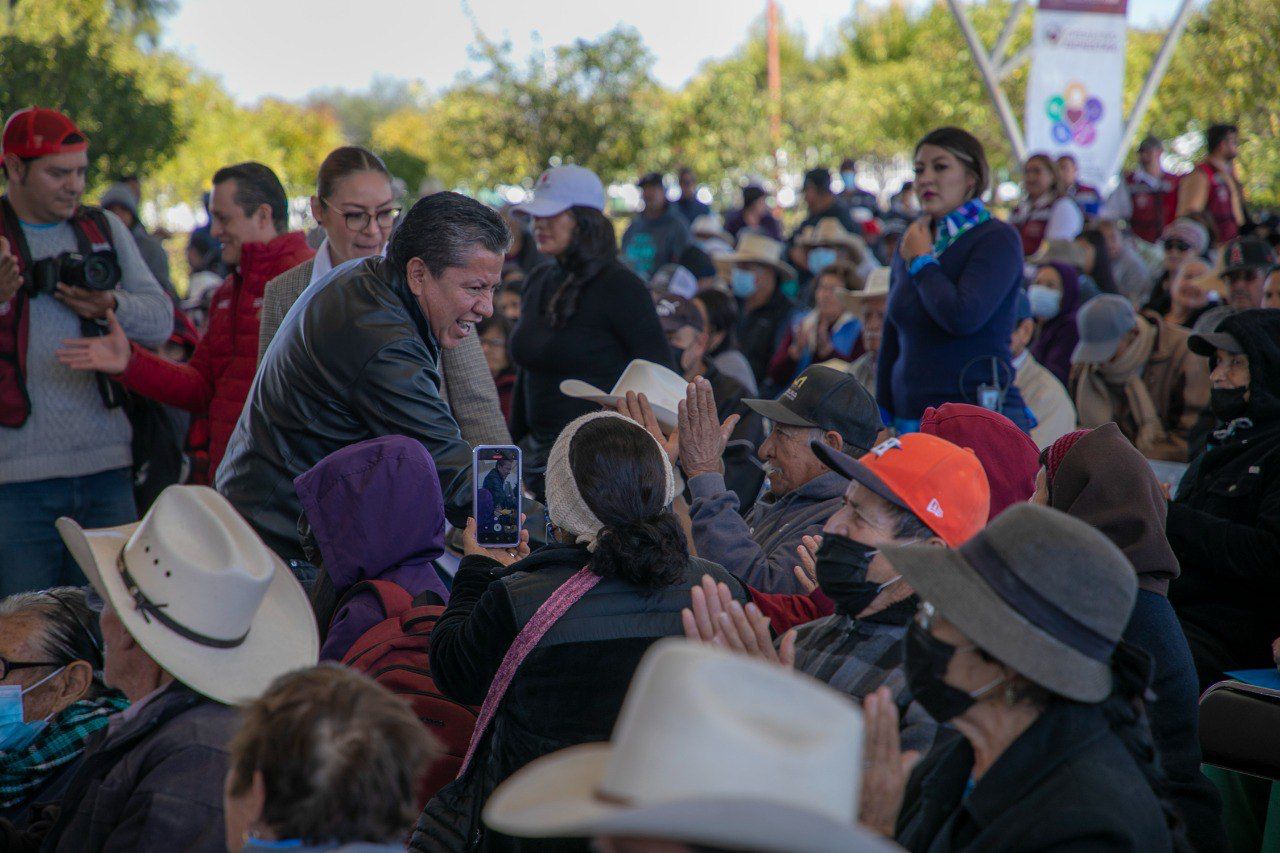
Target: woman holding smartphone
953	292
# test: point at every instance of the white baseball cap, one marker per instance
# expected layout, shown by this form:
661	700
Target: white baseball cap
561	188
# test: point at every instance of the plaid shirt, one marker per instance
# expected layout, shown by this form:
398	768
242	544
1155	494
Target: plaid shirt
857	657
968	215
24	773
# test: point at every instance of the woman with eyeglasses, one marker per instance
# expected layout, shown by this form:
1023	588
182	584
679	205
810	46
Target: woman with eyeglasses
1183	240
51	696
356	206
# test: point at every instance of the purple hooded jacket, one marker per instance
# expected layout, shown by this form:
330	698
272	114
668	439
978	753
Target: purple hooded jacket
1059	335
376	512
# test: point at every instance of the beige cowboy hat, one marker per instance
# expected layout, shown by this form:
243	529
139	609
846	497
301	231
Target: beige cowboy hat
756	249
829	232
197	589
877	287
710	748
664	389
1067	252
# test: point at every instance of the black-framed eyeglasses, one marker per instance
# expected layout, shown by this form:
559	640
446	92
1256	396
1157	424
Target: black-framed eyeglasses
7	666
1179	245
359	220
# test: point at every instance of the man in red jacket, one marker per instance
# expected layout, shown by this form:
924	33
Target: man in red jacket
251	217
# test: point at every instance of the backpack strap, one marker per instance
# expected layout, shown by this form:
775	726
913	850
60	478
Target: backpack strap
565	596
392	597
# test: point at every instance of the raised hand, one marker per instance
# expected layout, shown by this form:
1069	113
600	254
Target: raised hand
108	354
637	408
702	436
886	766
10	277
807	572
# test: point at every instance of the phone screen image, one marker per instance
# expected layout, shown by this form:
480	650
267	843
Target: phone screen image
497	495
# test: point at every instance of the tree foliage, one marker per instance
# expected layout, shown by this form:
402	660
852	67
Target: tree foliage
891	73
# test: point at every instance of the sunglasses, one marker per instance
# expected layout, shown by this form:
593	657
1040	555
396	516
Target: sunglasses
1179	245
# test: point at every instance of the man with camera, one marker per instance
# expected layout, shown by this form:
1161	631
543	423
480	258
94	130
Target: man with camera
64	440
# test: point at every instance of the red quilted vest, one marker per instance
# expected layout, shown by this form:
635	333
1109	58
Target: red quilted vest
1219	204
217	378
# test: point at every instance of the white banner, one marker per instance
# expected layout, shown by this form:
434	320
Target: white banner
1075	88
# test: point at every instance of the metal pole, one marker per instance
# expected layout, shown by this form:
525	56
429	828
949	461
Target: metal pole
1154	76
1003	109
1002	43
774	69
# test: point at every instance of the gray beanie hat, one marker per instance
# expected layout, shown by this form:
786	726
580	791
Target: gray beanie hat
565	505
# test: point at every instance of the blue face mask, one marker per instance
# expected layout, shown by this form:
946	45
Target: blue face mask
742	283
820	259
848	178
15	733
1045	301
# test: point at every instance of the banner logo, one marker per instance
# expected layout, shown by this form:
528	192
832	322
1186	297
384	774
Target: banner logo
1075	115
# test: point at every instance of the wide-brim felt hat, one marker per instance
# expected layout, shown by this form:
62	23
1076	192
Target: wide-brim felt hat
207	578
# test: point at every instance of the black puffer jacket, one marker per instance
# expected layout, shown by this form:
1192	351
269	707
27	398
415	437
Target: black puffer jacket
569	689
354	359
1225	524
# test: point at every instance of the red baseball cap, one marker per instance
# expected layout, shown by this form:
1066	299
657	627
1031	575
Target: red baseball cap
941	484
38	132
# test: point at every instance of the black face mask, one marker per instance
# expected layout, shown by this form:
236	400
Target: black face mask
842	573
1227	404
924	660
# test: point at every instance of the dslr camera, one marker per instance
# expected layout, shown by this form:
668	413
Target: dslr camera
94	271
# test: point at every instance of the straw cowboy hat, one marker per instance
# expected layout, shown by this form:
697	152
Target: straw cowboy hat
195	586
829	232
709	748
877	287
664	389
1066	252
756	249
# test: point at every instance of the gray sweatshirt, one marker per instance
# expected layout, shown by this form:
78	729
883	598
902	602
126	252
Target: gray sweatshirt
70	432
649	244
760	550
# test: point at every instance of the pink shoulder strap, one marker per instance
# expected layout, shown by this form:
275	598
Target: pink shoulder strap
565	596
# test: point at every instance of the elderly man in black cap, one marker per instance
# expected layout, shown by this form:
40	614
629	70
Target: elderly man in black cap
658	234
1245	264
822	404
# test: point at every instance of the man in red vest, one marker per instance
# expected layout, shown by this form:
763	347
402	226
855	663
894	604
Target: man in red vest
250	216
1085	195
1212	187
1147	196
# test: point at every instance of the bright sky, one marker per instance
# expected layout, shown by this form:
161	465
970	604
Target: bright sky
290	47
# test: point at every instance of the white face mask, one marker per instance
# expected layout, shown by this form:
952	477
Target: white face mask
1045	301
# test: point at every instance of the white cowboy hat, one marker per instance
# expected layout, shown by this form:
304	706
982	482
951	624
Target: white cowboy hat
710	225
195	586
877	286
756	249
709	748
664	389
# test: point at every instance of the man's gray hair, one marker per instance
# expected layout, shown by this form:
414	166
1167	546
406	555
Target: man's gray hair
68	627
443	229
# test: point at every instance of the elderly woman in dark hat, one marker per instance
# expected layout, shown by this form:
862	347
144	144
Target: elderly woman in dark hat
1054	751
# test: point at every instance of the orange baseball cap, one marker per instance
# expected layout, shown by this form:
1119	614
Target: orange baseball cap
38	132
941	484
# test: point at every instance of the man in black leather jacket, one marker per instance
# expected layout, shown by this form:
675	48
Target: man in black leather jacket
357	357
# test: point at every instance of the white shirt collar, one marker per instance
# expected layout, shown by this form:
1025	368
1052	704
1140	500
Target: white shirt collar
323	262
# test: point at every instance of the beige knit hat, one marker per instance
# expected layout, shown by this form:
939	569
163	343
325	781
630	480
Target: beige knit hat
565	505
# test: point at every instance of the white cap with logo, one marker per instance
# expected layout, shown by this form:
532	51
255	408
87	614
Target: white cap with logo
561	188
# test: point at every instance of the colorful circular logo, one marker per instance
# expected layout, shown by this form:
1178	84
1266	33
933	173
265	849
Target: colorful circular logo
1075	115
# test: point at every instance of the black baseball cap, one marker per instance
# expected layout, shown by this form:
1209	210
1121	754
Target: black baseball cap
827	399
1205	338
1246	253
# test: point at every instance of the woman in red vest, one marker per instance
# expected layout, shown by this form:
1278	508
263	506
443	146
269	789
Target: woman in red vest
1044	212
